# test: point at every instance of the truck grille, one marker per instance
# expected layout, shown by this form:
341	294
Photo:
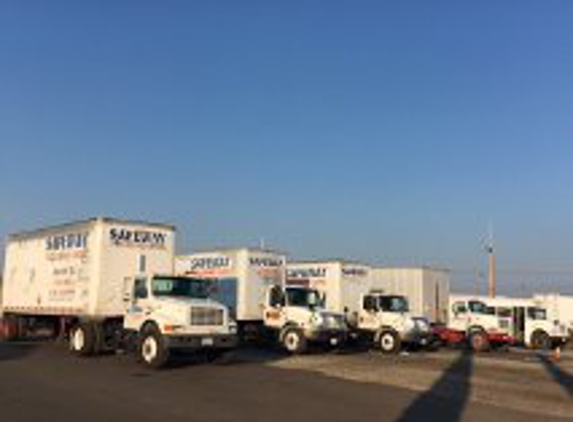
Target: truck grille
206	316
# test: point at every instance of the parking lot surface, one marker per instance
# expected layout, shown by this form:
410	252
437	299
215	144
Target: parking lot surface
41	381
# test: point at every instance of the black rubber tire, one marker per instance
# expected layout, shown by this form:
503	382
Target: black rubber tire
540	340
479	342
294	341
83	339
389	342
10	328
99	338
219	356
152	350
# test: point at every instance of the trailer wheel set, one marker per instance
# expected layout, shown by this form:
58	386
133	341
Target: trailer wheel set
540	340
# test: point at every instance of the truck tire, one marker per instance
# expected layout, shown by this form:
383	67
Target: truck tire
540	340
10	328
294	341
478	341
83	339
152	350
99	338
389	342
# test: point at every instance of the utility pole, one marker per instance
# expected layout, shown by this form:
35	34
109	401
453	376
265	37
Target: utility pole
492	283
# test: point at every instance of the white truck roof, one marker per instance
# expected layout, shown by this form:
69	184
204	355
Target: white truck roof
44	231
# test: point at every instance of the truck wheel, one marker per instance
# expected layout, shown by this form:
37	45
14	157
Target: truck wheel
82	339
389	342
479	341
218	356
152	350
10	328
540	340
294	341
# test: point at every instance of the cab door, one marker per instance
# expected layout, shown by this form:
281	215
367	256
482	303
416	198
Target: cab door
459	316
140	307
274	315
368	318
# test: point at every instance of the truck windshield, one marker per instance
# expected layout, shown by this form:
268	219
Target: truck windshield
180	287
477	307
393	304
303	298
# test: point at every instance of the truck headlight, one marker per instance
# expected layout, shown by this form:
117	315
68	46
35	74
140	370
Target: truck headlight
317	320
422	324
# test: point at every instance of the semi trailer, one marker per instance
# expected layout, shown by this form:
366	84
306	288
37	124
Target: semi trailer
108	284
251	282
374	314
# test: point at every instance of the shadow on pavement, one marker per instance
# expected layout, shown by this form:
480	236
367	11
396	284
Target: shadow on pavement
558	374
14	351
447	398
239	356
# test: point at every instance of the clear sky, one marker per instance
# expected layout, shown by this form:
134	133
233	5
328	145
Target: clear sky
388	132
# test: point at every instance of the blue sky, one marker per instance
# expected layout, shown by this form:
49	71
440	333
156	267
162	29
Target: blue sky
389	132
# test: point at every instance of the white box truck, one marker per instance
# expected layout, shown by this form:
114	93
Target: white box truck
251	283
382	317
427	289
109	284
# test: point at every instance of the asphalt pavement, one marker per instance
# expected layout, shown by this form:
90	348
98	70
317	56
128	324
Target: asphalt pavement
42	382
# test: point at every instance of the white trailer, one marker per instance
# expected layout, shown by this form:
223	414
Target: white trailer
427	289
340	282
252	283
381	316
109	284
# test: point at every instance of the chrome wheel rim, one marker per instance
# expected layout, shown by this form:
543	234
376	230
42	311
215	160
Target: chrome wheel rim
292	342
387	342
78	339
149	349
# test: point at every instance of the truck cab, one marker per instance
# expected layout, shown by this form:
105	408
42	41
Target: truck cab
165	313
297	314
481	327
388	319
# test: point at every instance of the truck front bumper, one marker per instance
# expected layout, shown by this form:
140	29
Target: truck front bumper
203	341
501	338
